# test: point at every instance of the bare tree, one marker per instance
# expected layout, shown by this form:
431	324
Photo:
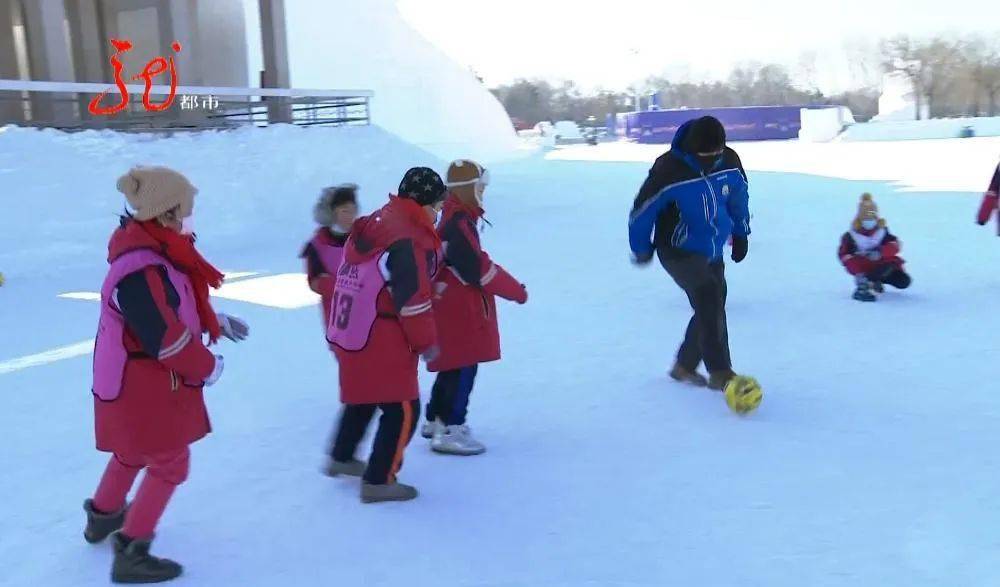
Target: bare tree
990	84
807	69
929	65
981	61
941	61
899	54
742	80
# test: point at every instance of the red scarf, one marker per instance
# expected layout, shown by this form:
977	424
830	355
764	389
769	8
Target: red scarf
418	215
179	249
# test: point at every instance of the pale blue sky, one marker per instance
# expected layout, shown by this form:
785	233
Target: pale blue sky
597	46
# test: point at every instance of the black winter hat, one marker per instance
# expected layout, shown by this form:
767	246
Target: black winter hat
423	185
706	135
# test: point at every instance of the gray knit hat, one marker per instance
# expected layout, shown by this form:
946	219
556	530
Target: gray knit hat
153	190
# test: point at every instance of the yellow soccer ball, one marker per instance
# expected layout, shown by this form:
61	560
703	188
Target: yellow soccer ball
743	394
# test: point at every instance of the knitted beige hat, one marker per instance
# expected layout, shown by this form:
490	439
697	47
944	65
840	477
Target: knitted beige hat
153	190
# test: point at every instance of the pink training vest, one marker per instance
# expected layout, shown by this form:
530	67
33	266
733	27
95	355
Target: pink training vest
354	309
329	255
110	355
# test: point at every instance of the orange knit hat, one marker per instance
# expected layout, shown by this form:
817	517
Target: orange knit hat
867	210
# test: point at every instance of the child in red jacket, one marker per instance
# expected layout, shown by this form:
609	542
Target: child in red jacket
465	311
382	320
150	367
990	201
870	253
335	213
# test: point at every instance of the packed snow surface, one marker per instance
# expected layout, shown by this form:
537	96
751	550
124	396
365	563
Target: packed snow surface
943	128
872	460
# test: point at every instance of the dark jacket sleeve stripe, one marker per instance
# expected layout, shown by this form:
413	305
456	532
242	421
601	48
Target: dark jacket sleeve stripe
739	202
409	284
463	252
149	303
146	313
401	261
314	266
653	197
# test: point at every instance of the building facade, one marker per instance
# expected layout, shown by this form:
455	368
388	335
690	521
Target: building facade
70	41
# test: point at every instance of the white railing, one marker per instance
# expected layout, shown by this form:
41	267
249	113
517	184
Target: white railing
64	105
96	88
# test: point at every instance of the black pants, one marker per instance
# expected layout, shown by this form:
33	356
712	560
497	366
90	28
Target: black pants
891	275
395	429
707	335
450	395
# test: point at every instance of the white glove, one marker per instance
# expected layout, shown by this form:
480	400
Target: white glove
874	255
216	372
432	352
233	328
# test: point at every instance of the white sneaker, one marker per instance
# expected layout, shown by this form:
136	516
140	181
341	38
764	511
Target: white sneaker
456	440
430	428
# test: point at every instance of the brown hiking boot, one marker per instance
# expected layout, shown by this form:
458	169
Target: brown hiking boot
717	380
682	374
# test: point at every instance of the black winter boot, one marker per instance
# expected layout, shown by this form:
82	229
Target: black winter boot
863	293
134	564
101	525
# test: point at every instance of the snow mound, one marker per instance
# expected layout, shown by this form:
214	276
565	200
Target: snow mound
262	180
898	101
420	94
821	125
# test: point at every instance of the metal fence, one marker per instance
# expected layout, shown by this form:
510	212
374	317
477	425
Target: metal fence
64	105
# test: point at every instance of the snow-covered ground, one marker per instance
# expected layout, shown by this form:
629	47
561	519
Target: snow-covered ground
941	128
917	165
871	461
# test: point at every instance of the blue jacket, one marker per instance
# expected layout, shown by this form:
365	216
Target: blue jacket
680	206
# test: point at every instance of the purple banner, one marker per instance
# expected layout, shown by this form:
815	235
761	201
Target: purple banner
752	123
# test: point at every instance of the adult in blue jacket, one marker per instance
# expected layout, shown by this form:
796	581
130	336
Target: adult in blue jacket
694	199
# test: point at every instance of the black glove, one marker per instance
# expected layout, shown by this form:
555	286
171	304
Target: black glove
740	247
641	259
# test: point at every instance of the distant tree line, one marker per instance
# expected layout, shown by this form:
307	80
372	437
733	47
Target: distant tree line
957	77
532	101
